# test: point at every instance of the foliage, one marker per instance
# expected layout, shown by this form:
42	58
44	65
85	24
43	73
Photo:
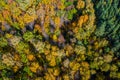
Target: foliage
59	40
108	13
28	36
3	42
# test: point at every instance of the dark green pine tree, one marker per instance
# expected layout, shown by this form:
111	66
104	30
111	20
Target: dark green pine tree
108	22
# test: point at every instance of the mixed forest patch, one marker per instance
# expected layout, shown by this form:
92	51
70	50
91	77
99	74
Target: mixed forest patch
59	39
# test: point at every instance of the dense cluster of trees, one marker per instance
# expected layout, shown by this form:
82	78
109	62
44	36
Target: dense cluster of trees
59	39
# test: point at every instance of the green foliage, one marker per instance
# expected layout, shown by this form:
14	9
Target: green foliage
59	39
21	47
2	4
16	25
4	73
3	42
68	3
94	65
39	46
27	70
105	67
108	19
114	68
71	13
24	4
100	30
24	58
28	36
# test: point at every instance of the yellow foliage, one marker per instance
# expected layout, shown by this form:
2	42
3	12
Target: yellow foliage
60	5
52	12
21	21
55	37
73	24
81	58
3	28
80	50
15	11
45	2
80	4
15	68
1	18
101	43
69	50
57	21
52	61
74	66
34	66
30	57
47	52
76	29
85	65
96	45
27	51
56	72
8	35
54	53
54	48
66	77
29	18
38	28
39	78
39	56
16	57
67	53
50	70
49	77
83	19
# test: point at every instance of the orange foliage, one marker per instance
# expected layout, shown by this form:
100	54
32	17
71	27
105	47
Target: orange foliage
6	14
30	57
16	57
38	28
83	19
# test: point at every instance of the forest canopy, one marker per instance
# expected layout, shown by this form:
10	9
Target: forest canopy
59	39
